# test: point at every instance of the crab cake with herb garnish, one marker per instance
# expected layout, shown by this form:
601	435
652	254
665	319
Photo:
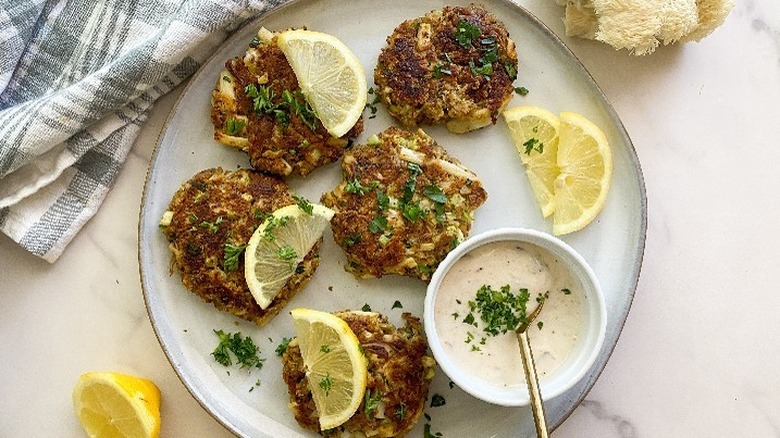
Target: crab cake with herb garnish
453	66
257	106
208	223
403	204
399	372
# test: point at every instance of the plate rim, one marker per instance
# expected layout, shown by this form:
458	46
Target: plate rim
599	365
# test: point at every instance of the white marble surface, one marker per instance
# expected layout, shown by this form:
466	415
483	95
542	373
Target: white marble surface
698	356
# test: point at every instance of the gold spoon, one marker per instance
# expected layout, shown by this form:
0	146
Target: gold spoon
530	373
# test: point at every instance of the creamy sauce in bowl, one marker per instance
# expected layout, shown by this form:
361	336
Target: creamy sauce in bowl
520	265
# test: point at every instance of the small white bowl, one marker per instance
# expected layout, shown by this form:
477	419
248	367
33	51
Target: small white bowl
579	360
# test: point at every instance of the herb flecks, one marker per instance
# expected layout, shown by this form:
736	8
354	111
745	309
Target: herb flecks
232	254
264	101
326	383
437	400
501	310
533	144
243	348
304	205
233	126
372	104
466	33
282	347
521	91
371	402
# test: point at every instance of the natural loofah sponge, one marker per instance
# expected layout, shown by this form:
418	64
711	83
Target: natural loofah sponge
641	25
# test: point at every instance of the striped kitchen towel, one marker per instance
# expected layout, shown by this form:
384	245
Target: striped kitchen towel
77	80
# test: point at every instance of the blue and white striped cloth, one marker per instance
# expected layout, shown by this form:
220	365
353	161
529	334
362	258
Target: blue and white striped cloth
77	80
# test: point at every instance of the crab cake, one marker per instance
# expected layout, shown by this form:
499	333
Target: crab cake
399	372
403	204
208	222
257	106
453	66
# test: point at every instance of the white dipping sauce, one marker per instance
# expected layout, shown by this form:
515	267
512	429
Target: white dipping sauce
519	265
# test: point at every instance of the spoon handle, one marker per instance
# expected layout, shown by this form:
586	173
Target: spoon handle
533	385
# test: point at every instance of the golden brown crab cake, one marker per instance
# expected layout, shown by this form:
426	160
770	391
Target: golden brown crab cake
399	373
257	106
209	221
403	204
453	66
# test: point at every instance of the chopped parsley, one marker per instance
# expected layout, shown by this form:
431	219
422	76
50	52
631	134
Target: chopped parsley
397	305
379	223
466	33
412	211
282	347
383	201
286	253
566	291
356	187
371	402
326	383
540	324
271	223
304	205
427	431
232	253
325	348
243	348
435	194
485	70
500	310
292	102
437	400
400	412
440	70
372	105
521	91
366	308
233	126
213	227
352	240
533	144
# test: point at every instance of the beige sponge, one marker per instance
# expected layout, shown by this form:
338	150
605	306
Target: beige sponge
641	25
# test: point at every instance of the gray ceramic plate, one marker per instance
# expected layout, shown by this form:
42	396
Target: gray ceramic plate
613	244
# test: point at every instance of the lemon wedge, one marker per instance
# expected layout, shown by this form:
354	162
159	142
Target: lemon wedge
568	163
330	76
336	368
117	405
585	163
535	134
278	245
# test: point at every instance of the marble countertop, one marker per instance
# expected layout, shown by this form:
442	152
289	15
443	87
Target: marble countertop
698	355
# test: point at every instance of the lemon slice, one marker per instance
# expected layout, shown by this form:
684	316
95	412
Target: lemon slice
535	134
278	245
335	365
585	163
117	405
330	76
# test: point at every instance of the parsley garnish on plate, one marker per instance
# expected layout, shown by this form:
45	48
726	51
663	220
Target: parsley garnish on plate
243	348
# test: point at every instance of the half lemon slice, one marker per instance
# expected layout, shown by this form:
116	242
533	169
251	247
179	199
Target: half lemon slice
117	405
279	244
535	134
330	76
585	163
336	368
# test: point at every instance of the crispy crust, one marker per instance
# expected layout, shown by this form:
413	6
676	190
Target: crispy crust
216	207
412	247
398	368
274	146
409	74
